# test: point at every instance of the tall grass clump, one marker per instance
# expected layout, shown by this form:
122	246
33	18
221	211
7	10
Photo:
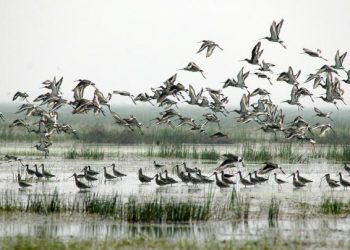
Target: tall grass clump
333	206
109	205
44	204
273	213
182	151
341	153
251	153
237	207
94	154
161	210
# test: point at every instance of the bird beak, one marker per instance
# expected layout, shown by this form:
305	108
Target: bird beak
282	171
289	175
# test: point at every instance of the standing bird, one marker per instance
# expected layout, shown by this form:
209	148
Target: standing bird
343	182
332	183
302	179
29	171
244	181
209	45
22	184
37	173
275	30
256	53
193	67
143	178
46	174
116	172
160	182
296	183
79	184
220	183
226	179
279	181
107	175
169	179
2	116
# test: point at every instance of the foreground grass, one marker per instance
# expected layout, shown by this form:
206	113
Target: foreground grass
48	243
333	206
134	210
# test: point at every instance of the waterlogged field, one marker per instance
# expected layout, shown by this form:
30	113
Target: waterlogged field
126	214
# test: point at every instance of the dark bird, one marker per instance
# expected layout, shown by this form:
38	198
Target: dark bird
256	54
79	184
21	183
269	166
209	45
143	178
193	67
275	30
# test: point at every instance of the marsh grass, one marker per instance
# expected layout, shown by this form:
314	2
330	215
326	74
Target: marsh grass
182	151
333	206
86	153
135	210
273	212
161	211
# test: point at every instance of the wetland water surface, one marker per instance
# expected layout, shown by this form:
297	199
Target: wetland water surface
298	216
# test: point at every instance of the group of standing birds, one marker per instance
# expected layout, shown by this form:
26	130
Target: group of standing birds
255	105
185	174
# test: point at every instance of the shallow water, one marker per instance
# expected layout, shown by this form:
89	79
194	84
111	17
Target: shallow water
289	225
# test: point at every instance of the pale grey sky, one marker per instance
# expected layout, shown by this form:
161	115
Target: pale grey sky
134	45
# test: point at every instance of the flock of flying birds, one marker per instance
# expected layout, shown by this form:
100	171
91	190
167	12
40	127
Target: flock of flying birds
255	105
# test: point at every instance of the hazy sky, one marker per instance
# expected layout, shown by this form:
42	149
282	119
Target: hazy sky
134	45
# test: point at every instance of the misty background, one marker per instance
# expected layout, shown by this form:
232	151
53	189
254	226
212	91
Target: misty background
136	45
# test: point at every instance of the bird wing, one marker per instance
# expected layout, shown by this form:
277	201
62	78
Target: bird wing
293	94
256	50
279	27
192	94
203	47
273	31
210	50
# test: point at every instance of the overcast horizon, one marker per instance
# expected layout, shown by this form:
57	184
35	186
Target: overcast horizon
136	45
